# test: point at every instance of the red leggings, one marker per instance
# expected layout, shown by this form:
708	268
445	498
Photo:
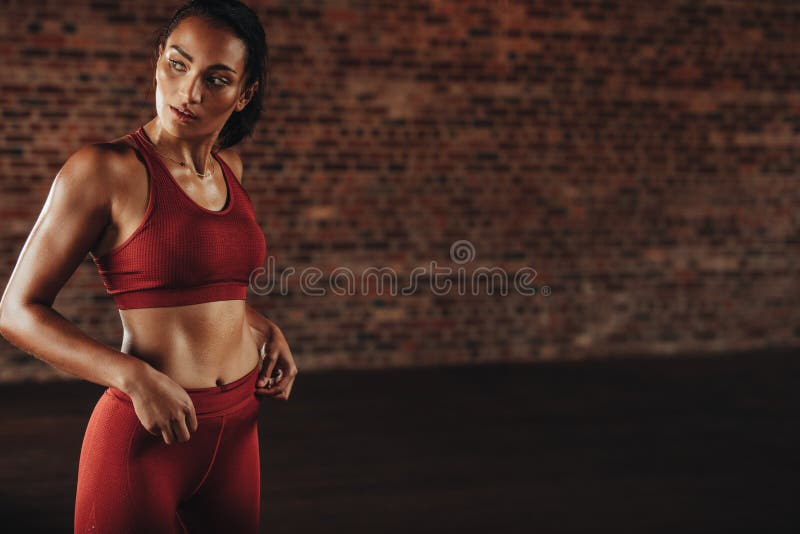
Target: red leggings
131	481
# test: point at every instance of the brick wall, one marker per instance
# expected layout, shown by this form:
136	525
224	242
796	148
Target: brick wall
641	157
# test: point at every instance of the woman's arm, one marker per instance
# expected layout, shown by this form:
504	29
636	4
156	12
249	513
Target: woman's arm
275	353
76	212
260	327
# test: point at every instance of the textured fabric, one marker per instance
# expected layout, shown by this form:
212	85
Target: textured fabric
131	481
183	253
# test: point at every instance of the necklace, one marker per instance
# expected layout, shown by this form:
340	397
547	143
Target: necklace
209	174
181	163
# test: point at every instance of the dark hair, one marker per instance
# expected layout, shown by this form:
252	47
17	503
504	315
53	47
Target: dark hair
242	21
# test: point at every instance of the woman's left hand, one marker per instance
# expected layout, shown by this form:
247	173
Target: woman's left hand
276	358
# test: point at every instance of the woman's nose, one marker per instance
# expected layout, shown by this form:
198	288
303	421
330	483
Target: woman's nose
190	90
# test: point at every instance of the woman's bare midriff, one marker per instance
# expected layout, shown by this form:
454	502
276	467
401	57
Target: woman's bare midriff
200	345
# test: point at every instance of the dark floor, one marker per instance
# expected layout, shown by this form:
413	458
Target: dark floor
641	446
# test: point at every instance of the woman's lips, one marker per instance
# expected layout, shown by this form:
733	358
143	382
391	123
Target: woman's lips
181	116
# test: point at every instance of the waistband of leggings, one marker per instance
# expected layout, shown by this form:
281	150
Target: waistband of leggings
216	400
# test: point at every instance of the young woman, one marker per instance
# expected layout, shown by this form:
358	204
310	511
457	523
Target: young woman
172	444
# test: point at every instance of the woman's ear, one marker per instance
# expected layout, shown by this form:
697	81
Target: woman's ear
246	96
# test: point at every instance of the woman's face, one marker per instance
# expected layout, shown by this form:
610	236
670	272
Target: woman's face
201	68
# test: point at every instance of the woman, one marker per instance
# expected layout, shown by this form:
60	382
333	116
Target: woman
172	444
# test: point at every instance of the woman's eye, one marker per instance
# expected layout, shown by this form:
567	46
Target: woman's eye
222	81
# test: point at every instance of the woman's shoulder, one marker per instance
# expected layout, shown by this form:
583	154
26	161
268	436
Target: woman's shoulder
105	155
233	160
98	162
109	169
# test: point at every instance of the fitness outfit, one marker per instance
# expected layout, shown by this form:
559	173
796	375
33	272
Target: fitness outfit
183	253
129	480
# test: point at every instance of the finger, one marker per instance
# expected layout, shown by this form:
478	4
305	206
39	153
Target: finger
191	420
262	376
282	388
273	381
262	361
270	382
266	371
283	379
288	390
270	391
180	430
269	394
282	395
166	434
269	364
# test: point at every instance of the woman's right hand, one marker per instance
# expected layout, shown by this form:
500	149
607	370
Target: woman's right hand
163	407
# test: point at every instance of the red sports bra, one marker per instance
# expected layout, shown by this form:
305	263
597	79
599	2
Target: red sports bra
182	253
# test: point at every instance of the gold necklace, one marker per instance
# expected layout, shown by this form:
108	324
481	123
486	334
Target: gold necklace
181	163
